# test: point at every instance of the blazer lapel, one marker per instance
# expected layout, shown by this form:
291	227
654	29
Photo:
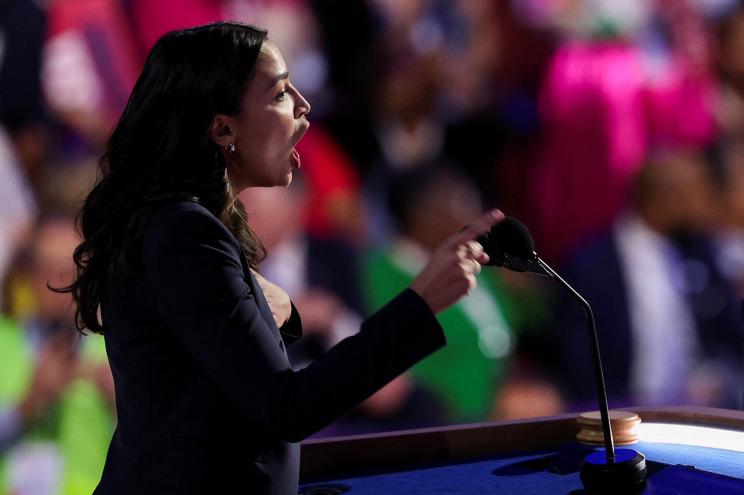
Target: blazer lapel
258	295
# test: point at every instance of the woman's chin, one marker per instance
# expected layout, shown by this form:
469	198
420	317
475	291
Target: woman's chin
288	178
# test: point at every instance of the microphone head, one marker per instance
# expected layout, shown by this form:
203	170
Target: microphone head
515	238
510	244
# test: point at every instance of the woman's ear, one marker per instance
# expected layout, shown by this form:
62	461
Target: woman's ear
221	130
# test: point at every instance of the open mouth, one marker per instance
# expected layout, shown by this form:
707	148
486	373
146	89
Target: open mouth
300	132
294	155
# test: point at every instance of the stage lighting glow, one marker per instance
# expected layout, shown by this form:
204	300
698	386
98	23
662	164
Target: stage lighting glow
699	436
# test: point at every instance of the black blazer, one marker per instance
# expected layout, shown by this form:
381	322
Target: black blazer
207	401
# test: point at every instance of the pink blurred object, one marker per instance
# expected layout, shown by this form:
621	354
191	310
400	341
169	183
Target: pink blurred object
91	61
603	113
154	18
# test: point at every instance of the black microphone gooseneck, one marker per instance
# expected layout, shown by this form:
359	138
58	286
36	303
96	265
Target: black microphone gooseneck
597	362
510	244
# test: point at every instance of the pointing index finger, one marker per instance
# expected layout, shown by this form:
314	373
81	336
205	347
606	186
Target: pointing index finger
482	225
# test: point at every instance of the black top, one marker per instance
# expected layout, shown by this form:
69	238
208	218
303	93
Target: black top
206	398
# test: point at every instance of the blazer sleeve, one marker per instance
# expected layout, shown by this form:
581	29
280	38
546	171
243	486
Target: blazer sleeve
192	264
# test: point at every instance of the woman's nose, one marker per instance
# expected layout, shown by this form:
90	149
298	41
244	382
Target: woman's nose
302	106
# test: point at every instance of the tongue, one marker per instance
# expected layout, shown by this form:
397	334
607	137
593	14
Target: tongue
296	159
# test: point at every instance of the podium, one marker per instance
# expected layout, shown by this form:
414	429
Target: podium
689	449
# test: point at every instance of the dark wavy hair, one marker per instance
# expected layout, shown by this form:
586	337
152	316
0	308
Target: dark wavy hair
160	152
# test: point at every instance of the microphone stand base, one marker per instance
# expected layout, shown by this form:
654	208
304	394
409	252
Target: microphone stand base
627	475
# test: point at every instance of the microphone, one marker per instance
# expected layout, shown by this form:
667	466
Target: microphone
509	244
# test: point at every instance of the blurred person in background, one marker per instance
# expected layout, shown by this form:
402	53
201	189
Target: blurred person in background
669	323
62	187
320	275
627	78
17	209
23	117
729	57
90	63
23	142
491	79
398	126
729	220
467	376
56	390
388	120
442	79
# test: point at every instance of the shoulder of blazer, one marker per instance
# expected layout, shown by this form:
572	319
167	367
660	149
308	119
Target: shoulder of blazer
186	219
188	224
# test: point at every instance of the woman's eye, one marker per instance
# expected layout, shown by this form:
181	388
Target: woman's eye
281	95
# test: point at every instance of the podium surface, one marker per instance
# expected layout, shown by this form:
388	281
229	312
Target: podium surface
689	450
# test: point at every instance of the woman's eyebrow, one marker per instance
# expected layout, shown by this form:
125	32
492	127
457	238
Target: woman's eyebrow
279	77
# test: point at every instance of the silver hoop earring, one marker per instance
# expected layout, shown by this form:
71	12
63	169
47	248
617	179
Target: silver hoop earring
230	148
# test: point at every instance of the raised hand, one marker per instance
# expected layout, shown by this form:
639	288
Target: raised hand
451	271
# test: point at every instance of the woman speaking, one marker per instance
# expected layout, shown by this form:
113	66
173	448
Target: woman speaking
207	401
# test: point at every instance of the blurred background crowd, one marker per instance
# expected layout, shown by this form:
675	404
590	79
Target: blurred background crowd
613	129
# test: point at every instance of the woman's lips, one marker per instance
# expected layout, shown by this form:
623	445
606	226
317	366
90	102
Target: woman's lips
295	156
300	133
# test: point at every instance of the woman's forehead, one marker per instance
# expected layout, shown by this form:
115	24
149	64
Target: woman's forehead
270	65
